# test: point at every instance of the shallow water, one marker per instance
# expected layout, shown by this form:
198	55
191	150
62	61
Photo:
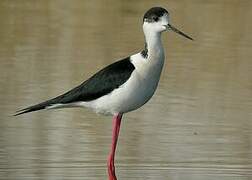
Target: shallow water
197	126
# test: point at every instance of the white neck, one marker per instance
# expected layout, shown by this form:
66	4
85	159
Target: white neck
154	44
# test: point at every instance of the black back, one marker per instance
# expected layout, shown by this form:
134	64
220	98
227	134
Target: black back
100	84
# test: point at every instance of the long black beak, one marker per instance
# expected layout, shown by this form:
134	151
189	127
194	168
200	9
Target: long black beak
178	31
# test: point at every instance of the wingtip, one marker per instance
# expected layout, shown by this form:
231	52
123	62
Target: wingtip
30	109
19	112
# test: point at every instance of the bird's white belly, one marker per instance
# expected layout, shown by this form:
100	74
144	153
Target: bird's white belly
131	95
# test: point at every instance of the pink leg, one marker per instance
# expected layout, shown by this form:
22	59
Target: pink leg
116	128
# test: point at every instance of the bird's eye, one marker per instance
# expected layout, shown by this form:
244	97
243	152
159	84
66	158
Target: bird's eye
155	18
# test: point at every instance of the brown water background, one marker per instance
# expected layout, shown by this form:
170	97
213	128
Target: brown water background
198	125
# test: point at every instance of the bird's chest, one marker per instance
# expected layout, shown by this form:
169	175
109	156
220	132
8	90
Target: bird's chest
146	80
150	75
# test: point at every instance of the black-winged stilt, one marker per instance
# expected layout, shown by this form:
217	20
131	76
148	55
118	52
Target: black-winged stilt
124	85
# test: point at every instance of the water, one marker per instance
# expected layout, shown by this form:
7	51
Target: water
197	126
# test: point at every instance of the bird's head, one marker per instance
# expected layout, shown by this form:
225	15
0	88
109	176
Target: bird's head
157	20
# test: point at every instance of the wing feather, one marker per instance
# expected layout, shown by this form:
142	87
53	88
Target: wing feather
100	84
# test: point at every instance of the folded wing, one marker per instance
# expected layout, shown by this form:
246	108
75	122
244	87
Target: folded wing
100	84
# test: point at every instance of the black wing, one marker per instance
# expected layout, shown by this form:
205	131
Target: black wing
100	84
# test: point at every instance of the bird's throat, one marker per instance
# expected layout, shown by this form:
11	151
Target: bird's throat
153	44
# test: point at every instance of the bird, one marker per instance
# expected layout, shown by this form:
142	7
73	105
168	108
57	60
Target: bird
122	86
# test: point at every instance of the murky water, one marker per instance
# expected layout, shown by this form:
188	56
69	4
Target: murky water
197	126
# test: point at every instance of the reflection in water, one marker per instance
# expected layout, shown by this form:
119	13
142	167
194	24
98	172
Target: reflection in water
197	126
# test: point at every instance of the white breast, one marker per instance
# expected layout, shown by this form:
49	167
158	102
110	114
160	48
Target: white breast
133	93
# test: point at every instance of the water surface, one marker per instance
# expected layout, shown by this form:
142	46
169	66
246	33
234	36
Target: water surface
198	125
